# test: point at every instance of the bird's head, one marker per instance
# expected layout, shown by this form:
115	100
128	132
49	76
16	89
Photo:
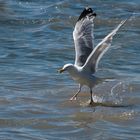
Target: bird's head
66	67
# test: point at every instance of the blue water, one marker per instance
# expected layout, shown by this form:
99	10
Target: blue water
35	41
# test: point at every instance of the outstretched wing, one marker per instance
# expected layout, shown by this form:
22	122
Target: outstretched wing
93	59
83	36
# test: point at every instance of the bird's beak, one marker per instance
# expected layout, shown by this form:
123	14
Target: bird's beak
61	70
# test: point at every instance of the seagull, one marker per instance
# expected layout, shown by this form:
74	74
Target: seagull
87	56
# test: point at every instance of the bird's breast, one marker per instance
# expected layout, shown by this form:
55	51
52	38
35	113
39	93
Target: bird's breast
83	78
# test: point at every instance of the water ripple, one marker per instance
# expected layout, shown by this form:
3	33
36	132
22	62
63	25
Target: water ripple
36	40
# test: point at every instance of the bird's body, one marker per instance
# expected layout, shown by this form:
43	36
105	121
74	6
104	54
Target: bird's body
82	77
87	56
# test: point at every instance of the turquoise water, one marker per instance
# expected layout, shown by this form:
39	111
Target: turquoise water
35	41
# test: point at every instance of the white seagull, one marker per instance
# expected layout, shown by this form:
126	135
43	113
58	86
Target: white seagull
87	58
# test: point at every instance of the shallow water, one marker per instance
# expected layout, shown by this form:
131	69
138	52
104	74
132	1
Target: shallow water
36	40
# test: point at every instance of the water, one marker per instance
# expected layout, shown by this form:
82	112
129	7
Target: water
35	41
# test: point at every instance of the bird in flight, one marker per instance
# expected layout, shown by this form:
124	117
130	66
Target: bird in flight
87	56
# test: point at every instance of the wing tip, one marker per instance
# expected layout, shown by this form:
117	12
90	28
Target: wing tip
123	22
85	12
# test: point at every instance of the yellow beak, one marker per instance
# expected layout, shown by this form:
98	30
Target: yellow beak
61	70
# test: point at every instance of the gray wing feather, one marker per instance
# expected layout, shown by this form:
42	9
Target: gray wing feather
95	56
83	40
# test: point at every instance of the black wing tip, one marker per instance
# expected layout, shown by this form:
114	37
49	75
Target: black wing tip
85	12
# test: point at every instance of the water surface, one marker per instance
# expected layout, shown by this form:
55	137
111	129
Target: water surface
35	41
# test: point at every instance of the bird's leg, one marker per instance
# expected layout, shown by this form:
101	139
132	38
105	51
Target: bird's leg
74	97
91	98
